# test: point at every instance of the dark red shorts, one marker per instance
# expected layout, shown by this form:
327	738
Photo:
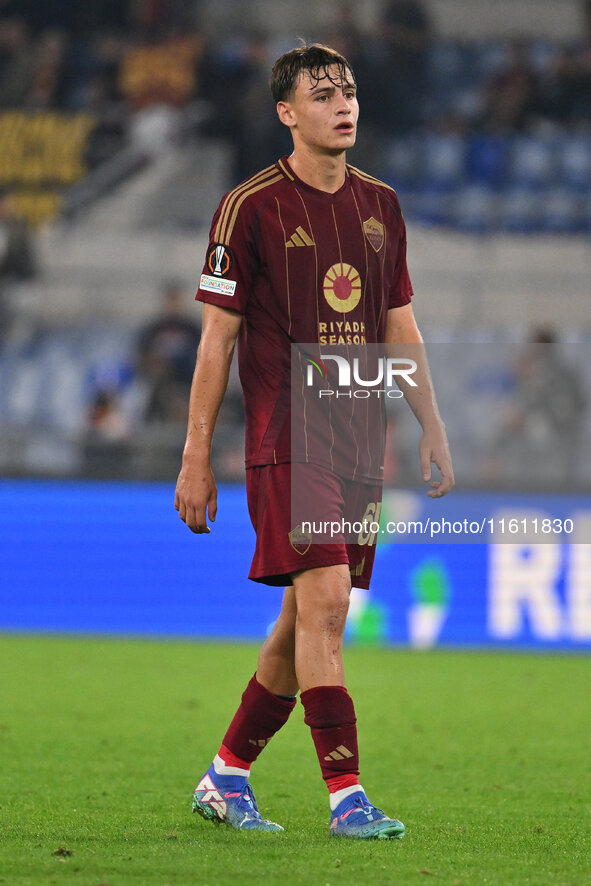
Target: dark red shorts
285	543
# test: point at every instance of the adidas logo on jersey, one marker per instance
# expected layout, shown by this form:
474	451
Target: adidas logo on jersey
300	238
339	754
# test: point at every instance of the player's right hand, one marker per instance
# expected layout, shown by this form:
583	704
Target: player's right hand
196	496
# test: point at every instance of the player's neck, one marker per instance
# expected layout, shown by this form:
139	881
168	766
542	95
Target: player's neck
325	172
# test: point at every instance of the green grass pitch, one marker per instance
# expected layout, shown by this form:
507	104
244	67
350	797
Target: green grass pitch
486	758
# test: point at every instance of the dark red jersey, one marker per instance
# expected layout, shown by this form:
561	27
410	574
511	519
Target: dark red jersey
303	266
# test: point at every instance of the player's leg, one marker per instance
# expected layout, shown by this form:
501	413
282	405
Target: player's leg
269	697
223	793
322	601
276	669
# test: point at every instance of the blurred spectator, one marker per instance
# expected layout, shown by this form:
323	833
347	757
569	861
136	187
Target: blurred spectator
539	445
406	34
512	94
48	77
162	71
107	440
73	16
391	70
17	62
157	78
17	259
17	256
235	84
166	352
567	88
32	68
93	71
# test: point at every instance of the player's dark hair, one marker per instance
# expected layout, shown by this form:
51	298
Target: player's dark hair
312	58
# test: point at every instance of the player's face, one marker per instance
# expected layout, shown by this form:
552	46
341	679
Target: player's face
322	114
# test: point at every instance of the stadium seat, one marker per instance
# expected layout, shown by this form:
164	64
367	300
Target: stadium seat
542	55
574	155
520	210
434	206
562	212
444	161
448	65
475	209
487	156
404	163
533	161
489	57
586	214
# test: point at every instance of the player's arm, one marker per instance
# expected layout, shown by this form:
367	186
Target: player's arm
402	330
196	492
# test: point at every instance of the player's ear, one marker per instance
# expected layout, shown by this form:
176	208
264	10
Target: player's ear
286	114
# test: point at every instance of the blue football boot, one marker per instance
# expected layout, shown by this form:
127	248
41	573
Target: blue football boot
356	817
229	799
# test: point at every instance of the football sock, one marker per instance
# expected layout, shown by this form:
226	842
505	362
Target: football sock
260	715
338	796
330	714
225	762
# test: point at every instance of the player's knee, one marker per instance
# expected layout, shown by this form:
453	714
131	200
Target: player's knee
328	611
322	598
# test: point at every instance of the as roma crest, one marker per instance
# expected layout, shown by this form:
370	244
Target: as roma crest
374	231
300	541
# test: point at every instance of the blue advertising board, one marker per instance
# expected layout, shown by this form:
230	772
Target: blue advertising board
114	558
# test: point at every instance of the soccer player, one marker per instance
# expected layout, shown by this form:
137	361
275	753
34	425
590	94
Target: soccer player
306	249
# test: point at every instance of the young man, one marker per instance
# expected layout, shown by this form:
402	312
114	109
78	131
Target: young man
296	250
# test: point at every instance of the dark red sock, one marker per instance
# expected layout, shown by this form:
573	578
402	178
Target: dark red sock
330	714
256	721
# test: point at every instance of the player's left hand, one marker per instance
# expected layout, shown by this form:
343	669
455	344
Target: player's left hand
434	449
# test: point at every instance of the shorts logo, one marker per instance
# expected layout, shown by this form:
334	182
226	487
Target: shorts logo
300	541
374	231
358	570
219	260
217	285
342	287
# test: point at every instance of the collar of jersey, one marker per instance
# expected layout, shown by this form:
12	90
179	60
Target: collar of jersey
288	172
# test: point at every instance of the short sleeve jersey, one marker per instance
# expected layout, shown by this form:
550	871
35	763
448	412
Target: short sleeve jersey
302	266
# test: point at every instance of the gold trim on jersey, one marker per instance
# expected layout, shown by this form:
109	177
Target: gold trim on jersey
252	184
284	167
300	237
240	201
287	292
364	176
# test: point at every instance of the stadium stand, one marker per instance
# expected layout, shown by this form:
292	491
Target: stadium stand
121	127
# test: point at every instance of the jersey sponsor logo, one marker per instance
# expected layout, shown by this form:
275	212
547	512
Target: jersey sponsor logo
300	237
342	287
300	540
374	231
219	260
217	285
